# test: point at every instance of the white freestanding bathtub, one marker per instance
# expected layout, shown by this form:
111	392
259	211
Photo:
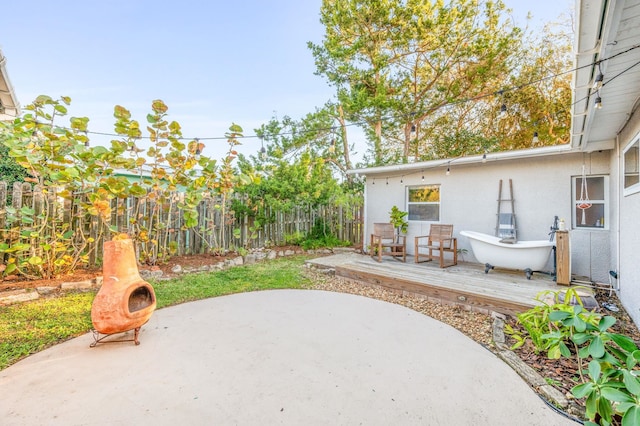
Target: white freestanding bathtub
526	255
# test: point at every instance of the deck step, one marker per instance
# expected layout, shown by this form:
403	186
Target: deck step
507	292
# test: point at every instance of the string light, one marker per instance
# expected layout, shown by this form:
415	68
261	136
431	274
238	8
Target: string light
535	138
598	103
597	84
440	164
198	151
503	107
484	157
332	147
263	152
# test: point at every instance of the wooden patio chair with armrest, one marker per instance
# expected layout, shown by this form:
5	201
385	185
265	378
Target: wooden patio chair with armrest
385	242
440	239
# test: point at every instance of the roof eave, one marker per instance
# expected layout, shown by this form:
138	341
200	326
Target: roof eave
474	159
8	98
595	24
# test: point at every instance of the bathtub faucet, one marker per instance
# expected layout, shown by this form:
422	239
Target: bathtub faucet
554	228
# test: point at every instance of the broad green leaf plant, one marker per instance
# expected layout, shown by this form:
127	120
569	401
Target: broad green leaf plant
611	385
38	238
75	181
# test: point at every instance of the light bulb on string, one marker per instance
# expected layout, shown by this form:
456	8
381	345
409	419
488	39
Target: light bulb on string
598	103
503	111
198	150
332	147
599	81
35	134
263	152
484	157
503	106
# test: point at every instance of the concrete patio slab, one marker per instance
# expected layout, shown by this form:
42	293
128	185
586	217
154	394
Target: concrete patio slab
287	357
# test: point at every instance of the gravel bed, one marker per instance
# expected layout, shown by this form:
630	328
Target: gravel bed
475	325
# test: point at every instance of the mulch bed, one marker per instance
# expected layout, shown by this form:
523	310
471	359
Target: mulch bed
563	373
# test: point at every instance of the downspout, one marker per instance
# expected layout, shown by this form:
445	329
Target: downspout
619	204
364	217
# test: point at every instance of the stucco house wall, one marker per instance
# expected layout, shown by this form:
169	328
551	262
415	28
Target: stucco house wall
628	267
542	189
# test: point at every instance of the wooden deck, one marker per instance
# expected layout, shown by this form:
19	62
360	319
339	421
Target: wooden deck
503	291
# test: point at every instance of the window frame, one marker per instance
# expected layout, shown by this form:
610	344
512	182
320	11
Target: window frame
604	202
438	203
635	188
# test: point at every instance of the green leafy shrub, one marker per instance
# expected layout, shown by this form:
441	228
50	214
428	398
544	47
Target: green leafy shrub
397	219
294	239
320	237
611	386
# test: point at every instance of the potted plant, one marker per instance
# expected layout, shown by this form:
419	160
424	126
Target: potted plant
397	219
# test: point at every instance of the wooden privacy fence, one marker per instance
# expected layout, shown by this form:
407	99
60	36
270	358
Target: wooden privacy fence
157	225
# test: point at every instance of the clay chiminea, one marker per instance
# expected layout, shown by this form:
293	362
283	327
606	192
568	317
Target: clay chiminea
125	301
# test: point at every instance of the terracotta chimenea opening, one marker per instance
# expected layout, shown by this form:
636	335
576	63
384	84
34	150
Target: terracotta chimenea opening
125	301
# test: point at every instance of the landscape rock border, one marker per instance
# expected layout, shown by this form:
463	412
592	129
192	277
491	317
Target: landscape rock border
13	297
528	374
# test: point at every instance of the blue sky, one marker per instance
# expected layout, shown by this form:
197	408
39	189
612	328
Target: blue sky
213	62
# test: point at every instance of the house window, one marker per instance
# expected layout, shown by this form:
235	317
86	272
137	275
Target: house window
424	203
632	168
590	202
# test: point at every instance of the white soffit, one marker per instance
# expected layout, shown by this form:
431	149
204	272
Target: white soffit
608	34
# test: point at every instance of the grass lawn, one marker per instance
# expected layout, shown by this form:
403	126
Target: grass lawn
33	326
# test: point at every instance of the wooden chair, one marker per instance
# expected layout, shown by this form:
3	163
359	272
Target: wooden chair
385	241
440	239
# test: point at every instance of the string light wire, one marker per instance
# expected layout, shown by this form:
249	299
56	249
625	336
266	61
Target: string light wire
456	102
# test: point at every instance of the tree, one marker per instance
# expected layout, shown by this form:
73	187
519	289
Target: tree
355	57
323	133
539	106
10	171
397	64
